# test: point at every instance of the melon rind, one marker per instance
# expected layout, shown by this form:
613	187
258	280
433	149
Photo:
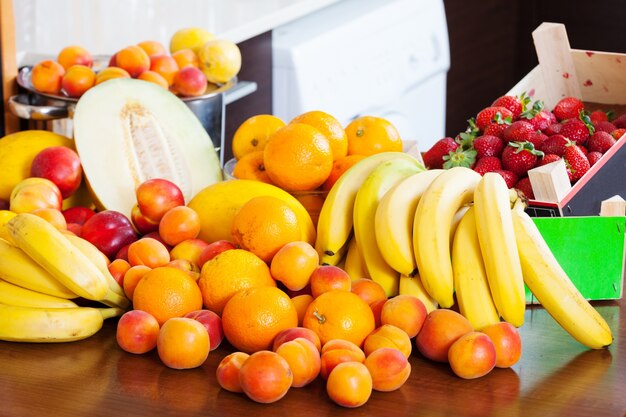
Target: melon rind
175	146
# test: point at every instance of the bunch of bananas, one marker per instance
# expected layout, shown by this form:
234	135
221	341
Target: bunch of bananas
41	271
449	234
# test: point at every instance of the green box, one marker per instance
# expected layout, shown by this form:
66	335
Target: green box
591	251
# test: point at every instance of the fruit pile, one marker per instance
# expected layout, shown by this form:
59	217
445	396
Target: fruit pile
512	136
196	63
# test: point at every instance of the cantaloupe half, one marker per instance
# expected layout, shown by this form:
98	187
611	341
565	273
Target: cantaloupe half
128	131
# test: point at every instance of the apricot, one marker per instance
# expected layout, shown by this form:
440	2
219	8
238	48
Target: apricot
377	308
179	224
137	331
109	73
294	263
77	80
326	278
133	59
152	48
507	341
132	278
265	377
46	76
117	269
33	193
406	312
349	384
369	290
183	343
149	252
186	58
389	368
74	55
301	302
187	266
52	216
293	333
227	372
388	336
190	82
189	249
441	328
155	78
164	65
212	323
303	359
337	351
472	355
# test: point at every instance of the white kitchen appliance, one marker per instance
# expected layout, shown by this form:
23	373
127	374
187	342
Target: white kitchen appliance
386	58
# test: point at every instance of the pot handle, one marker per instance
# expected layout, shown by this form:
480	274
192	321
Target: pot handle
20	106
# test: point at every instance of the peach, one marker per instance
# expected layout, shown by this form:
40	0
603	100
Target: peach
137	331
52	216
369	290
133	59
117	269
110	73
164	65
77	80
349	384
389	368
265	377
190	82
293	333
33	193
389	336
46	76
74	55
189	249
294	264
325	278
303	358
155	78
182	343
301	302
337	351
406	312
156	196
227	372
143	224
187	266
213	324
213	249
186	58
507	341
441	329
152	48
472	355
61	165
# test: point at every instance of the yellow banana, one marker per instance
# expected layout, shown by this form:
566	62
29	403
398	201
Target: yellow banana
334	225
380	180
354	264
494	224
394	220
14	295
547	280
470	279
412	285
432	227
18	268
51	249
30	324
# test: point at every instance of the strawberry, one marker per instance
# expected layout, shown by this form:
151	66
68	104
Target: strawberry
519	131
548	159
491	115
433	158
599	116
554	144
496	129
542	120
618	133
604	126
576	130
576	162
593	157
488	164
537	139
519	157
568	108
600	142
553	129
620	122
488	145
460	158
514	104
523	185
510	177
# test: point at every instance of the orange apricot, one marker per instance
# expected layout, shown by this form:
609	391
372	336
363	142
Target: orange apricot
133	59
369	290
154	77
74	55
109	73
186	58
326	278
337	351
294	263
137	331
149	252
227	372
406	312
53	216
183	343
303	359
293	333
349	384
178	224
164	65
472	355
389	369
132	278
441	328
190	249
301	302
265	377
117	269
507	342
152	48
47	75
388	336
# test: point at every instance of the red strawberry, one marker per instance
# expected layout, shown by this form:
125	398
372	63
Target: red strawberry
513	103
568	108
496	129
491	115
553	129
600	142
525	187
598	116
488	145
433	158
519	131
593	157
618	133
604	126
576	162
554	144
620	122
510	177
542	120
548	159
519	157
460	158
488	164
576	130
537	139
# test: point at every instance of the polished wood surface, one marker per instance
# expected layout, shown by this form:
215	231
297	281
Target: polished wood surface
555	377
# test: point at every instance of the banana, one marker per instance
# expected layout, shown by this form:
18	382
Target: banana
354	264
30	324
412	285
547	280
470	279
335	221
494	224
51	249
18	268
436	209
394	220
14	295
380	180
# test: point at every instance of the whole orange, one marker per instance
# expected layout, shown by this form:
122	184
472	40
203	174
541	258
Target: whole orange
229	272
252	135
330	127
167	292
251	167
298	157
253	317
339	314
263	225
368	135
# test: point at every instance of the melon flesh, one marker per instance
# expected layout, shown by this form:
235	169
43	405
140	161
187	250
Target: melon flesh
128	131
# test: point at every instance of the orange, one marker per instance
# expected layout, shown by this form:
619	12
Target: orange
229	272
253	317
340	166
253	134
330	127
339	314
167	292
252	167
368	135
298	157
263	225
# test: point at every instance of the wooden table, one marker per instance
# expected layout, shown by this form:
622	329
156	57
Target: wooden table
555	377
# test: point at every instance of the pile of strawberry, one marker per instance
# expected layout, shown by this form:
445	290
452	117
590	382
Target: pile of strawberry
512	136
